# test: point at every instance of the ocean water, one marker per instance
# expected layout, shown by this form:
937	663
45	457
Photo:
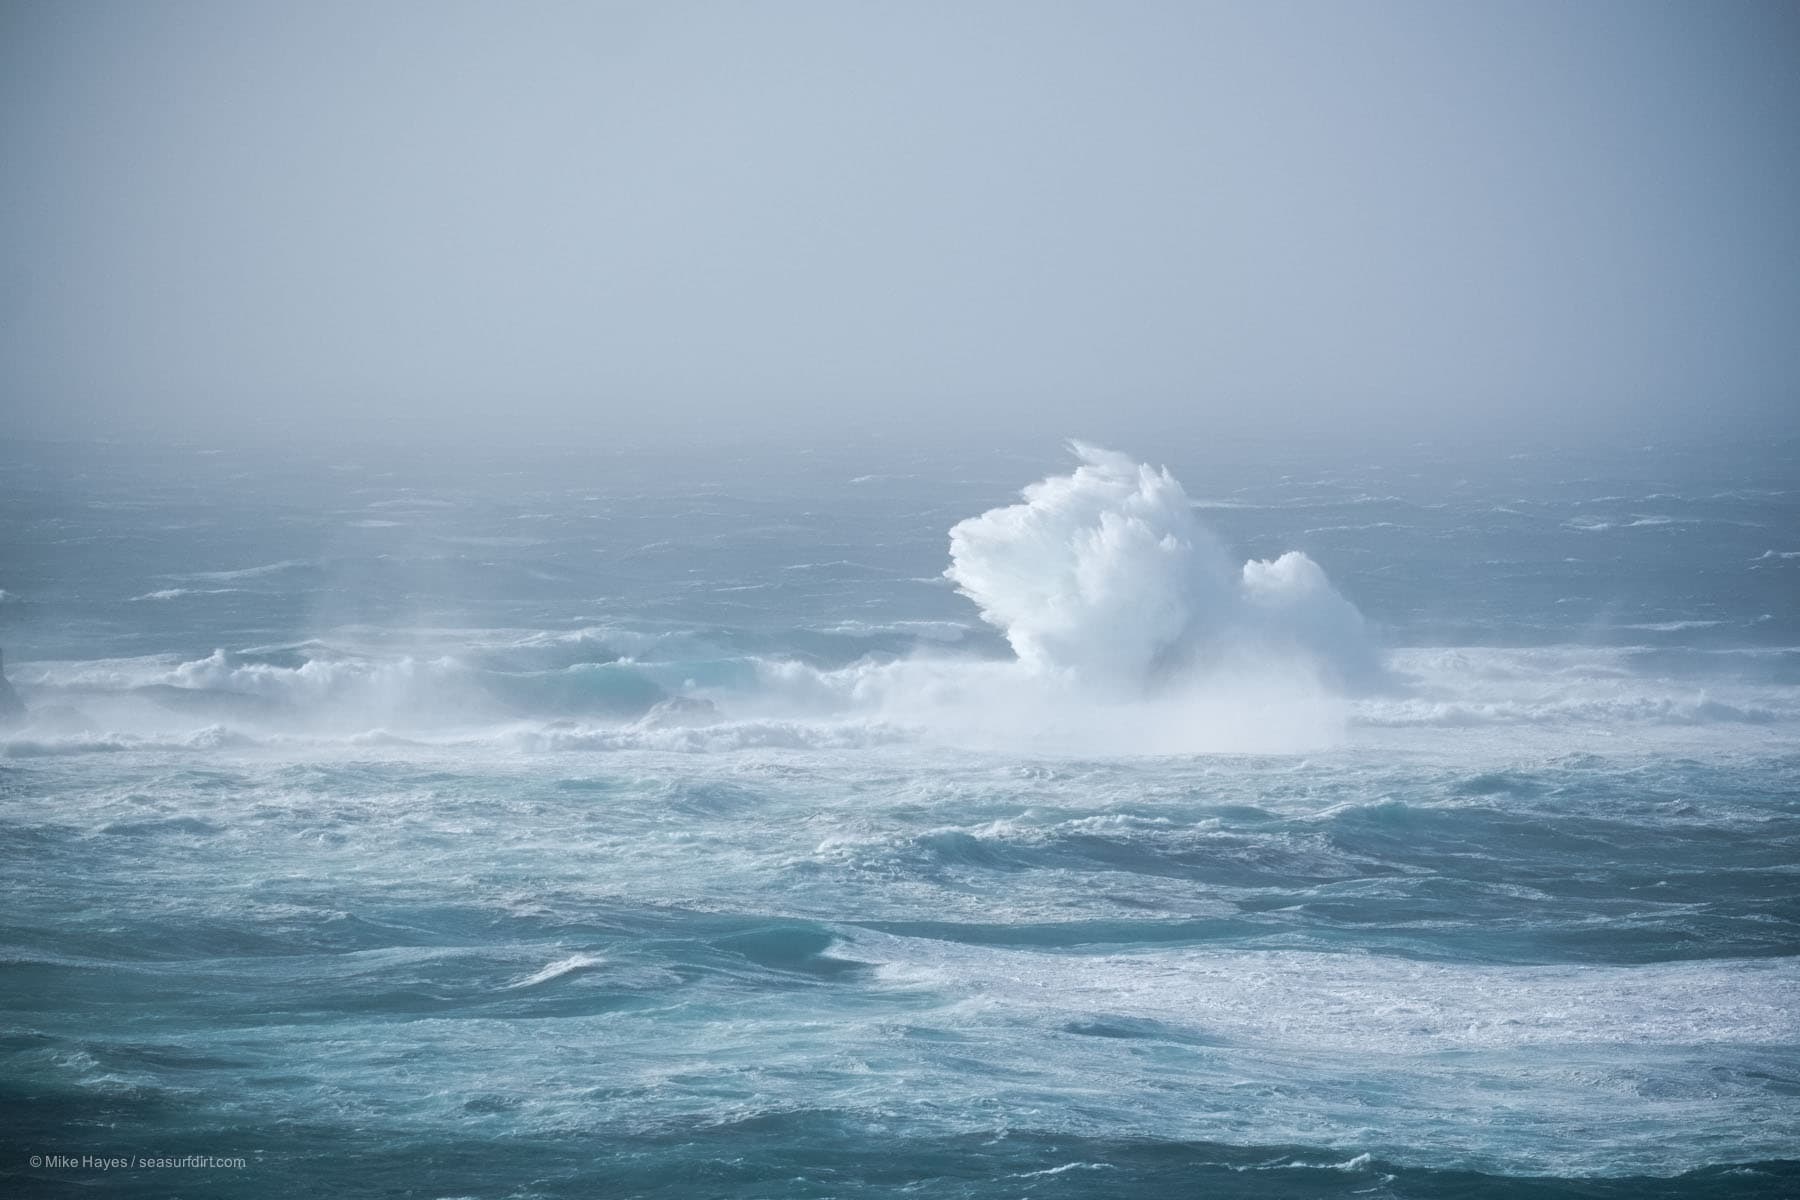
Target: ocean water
813	822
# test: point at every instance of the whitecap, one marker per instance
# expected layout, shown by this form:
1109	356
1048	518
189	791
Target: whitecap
563	966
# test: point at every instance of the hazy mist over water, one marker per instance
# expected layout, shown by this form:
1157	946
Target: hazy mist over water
706	220
872	600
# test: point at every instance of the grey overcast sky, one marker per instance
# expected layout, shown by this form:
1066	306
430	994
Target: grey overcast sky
694	217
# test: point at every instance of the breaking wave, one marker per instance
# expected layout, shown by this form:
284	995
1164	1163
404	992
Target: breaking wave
1105	575
1131	629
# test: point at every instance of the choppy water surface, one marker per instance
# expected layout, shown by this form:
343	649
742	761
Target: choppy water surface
567	824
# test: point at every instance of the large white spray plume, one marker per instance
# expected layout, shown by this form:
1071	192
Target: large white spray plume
1105	575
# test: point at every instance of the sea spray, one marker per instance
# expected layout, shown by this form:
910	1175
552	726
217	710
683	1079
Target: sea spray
1132	629
1106	575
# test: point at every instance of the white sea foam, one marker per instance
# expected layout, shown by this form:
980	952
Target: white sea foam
571	965
177	593
1603	689
933	631
711	738
1280	706
513	691
1064	1169
274	568
1295	1000
32	743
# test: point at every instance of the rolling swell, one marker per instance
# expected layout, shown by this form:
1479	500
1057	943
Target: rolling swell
733	854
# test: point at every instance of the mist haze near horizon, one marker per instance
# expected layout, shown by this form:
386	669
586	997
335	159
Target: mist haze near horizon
889	600
796	221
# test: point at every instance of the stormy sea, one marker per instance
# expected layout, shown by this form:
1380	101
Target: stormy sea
1047	820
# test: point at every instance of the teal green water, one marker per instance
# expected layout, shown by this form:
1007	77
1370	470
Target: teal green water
612	825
